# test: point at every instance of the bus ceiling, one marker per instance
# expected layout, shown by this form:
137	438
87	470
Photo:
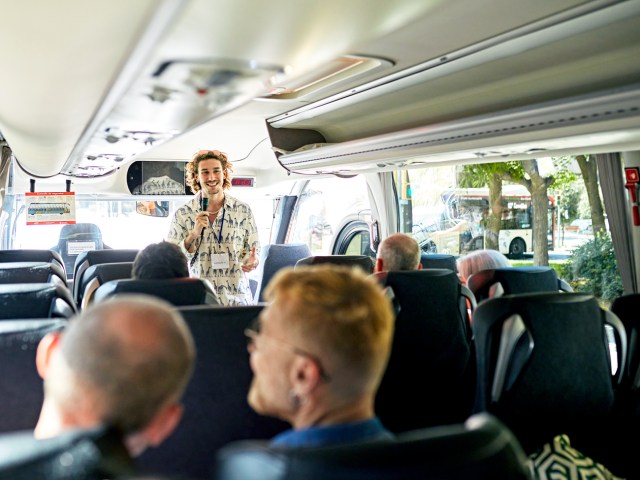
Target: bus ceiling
370	89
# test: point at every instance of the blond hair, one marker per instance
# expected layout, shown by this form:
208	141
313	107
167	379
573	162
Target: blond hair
342	312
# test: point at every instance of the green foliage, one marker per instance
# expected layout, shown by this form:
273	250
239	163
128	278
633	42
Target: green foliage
478	175
592	268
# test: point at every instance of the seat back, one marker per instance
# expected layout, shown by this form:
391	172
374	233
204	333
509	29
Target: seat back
365	262
621	457
480	448
177	291
90	454
544	365
20	383
32	255
276	256
432	336
32	272
76	238
94	257
35	300
513	280
438	260
216	409
627	309
97	275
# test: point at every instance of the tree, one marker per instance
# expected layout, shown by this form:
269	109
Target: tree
489	174
589	170
525	172
538	186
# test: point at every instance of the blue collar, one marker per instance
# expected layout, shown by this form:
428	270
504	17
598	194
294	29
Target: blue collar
371	429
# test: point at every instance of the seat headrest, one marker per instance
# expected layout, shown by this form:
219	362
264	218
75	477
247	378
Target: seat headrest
90	454
438	260
36	300
363	261
32	255
177	291
447	452
32	272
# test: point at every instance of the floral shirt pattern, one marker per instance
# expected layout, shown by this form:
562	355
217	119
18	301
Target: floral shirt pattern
233	232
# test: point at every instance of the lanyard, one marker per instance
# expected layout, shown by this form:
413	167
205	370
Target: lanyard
219	237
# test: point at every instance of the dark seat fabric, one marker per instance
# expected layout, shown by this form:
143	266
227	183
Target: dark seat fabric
480	448
430	378
76	238
32	255
86	259
97	275
621	454
216	408
20	384
32	272
365	262
276	256
513	280
91	454
177	291
544	366
438	260
35	300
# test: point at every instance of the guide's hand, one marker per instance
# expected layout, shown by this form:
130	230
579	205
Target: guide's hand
202	220
251	262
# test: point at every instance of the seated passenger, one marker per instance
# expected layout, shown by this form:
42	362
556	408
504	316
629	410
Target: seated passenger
123	363
318	353
160	260
480	260
398	251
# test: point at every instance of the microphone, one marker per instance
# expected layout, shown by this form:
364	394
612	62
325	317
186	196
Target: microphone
205	205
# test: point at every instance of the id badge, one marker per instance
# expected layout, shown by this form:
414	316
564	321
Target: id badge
220	261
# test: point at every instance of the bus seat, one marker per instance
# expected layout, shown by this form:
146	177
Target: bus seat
438	260
216	411
32	255
75	238
97	275
443	453
276	256
177	291
545	366
365	262
621	456
512	280
78	454
432	341
93	257
20	384
35	300
32	272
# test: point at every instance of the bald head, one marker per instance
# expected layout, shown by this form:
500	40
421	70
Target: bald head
127	357
398	251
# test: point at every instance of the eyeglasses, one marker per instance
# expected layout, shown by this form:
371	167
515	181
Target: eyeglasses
254	331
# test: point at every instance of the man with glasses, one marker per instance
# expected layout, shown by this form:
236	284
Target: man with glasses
217	232
318	352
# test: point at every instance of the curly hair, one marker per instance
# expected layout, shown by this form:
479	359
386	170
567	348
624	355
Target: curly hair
193	166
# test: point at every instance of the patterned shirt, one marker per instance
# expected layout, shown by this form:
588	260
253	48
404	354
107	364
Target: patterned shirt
233	233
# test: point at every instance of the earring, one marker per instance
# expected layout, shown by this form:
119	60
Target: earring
295	399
